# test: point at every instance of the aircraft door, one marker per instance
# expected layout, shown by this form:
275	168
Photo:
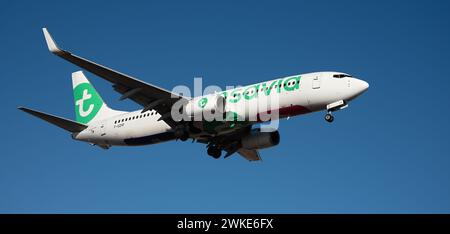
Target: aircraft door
316	82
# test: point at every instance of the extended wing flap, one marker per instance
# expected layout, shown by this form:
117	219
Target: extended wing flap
250	155
63	123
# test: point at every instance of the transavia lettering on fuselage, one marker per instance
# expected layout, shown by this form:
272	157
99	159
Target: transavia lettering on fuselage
248	93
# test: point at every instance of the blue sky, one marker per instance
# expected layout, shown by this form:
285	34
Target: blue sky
387	153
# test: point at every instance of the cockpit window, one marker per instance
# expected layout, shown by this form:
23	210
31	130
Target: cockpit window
340	76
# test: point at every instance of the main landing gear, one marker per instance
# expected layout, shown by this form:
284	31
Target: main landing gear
182	134
214	152
184	138
329	117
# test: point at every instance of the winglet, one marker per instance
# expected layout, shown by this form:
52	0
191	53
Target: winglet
50	42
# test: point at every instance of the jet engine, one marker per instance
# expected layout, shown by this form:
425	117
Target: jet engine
206	104
260	140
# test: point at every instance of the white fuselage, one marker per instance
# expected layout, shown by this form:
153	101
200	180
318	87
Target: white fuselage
295	95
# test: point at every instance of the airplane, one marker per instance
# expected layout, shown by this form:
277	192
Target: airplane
99	125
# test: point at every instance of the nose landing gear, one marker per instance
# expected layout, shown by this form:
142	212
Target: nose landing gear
335	106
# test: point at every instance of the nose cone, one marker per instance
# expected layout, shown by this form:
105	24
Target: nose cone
359	87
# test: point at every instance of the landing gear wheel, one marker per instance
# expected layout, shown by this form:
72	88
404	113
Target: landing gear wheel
184	138
182	133
214	152
329	118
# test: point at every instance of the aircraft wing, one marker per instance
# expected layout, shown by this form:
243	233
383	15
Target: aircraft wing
147	95
66	124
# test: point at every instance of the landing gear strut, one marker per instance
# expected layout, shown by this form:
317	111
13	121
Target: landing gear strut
329	118
214	152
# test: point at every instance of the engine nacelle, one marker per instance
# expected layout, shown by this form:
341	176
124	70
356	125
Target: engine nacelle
206	104
260	140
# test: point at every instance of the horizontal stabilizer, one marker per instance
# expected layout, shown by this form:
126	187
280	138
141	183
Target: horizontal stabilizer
66	124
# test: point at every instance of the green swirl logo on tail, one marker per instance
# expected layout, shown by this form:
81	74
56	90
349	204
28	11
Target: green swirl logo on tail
87	102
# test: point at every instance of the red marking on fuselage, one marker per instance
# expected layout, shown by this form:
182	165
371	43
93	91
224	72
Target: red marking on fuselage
283	113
